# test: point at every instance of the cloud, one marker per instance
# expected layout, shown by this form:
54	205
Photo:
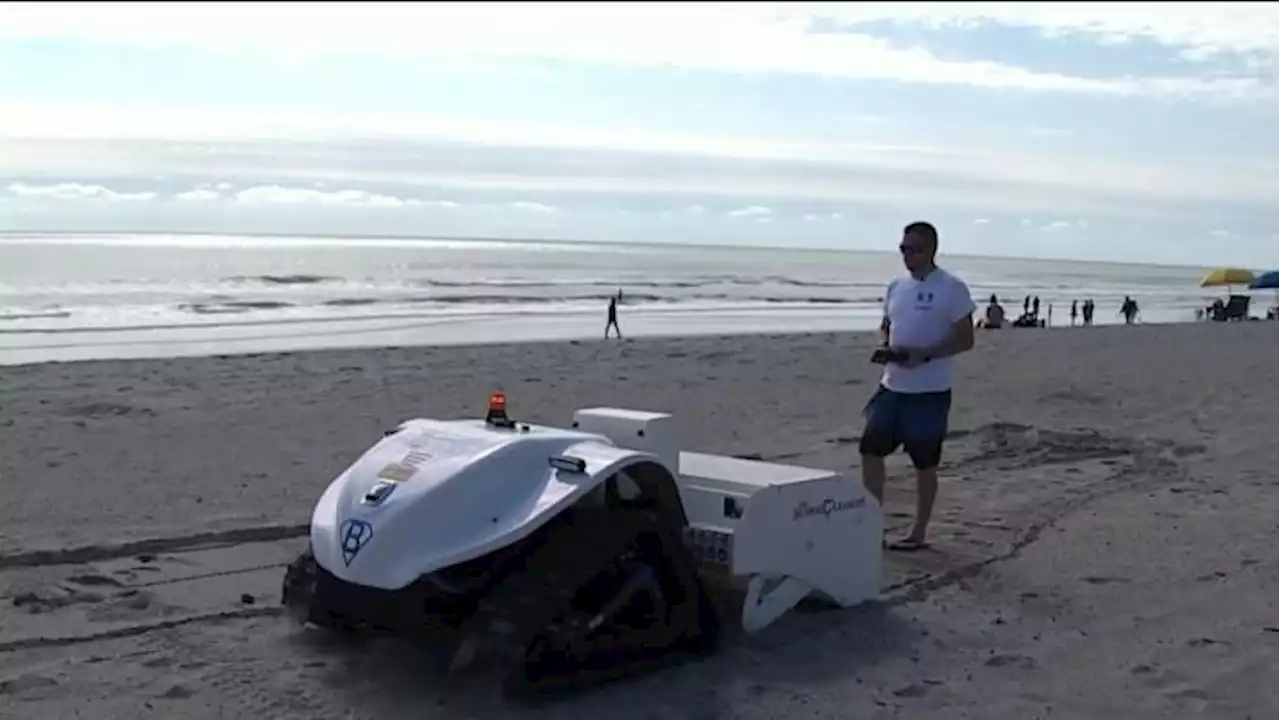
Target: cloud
1200	29
286	195
1049	132
277	195
749	172
534	207
1061	225
48	141
504	214
260	196
725	37
981	221
198	195
77	191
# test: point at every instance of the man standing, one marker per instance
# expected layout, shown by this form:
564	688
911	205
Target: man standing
928	318
612	321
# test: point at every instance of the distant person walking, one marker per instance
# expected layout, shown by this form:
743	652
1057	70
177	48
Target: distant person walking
928	318
1086	312
1129	309
1074	313
612	322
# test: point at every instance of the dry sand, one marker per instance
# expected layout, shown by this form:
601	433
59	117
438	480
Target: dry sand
1105	544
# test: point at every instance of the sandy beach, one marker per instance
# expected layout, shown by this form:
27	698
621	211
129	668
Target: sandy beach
1104	545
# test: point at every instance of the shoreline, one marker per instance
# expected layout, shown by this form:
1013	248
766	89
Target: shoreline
482	333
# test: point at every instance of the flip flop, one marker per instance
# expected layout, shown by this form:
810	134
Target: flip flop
908	545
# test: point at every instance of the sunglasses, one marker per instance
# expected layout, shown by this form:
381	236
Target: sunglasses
910	249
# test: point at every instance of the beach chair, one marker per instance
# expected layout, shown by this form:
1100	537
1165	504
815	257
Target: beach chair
1237	308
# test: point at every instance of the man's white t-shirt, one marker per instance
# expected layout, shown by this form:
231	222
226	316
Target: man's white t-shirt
921	313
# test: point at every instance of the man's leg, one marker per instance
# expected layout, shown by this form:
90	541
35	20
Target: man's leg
926	494
879	439
925	432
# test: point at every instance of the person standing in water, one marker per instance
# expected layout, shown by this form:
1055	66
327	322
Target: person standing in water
612	322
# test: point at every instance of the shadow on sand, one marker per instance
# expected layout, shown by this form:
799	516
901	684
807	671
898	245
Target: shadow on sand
393	678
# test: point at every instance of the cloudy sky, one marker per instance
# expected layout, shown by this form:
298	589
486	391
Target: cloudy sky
1122	131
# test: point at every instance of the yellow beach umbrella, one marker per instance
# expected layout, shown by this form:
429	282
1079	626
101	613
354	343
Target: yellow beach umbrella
1228	277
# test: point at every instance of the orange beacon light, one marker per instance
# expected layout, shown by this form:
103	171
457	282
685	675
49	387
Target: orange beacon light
497	414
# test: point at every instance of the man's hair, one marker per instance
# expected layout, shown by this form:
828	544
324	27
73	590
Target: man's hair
924	230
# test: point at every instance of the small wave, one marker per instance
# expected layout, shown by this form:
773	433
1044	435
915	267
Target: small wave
230	306
51	315
202	309
812	300
635	299
630	299
613	284
626	284
283	279
784	280
233	306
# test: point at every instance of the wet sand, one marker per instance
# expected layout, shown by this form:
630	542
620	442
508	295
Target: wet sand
1104	544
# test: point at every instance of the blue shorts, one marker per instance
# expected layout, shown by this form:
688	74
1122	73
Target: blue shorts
917	421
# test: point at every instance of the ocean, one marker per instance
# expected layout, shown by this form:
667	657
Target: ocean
80	296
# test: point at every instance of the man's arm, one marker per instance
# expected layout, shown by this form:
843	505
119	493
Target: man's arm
883	332
960	338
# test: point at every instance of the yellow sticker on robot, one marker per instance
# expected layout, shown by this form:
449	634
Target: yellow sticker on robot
403	470
396	472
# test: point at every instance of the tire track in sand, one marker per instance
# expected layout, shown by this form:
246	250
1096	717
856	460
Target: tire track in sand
110	551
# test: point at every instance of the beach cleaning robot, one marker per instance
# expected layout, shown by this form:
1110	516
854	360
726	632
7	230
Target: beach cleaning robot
574	555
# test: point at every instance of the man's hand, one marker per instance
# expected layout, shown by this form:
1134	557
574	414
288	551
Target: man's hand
914	358
960	340
910	357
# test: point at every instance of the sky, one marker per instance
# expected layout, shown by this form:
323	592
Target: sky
1134	132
